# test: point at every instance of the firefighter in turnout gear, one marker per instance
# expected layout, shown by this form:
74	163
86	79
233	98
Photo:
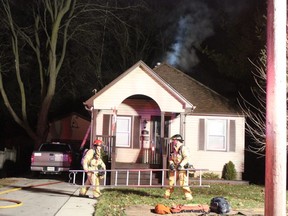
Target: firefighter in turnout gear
91	163
178	162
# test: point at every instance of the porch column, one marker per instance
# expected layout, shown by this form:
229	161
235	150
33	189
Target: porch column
182	122
164	147
94	114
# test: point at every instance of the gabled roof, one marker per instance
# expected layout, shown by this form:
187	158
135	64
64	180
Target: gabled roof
153	75
183	87
205	99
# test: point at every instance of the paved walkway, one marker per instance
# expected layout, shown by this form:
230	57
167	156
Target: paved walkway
28	197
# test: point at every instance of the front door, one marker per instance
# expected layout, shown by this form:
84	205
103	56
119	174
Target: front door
156	137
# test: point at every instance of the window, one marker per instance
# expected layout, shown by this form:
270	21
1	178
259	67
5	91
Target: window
216	134
123	131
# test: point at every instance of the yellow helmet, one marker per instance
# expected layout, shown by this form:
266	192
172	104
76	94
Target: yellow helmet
177	137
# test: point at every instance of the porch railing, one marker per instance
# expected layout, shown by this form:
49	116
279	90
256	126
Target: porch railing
153	155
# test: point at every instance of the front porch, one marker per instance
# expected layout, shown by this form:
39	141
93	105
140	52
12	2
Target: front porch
146	159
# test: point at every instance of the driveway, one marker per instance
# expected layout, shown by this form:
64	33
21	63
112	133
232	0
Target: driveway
45	196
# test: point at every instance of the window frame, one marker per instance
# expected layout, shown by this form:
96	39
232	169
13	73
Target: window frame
120	132
211	134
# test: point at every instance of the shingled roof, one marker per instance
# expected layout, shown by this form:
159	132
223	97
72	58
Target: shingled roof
205	99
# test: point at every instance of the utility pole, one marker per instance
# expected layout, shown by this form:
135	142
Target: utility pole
275	164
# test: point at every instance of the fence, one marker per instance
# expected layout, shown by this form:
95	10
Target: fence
7	155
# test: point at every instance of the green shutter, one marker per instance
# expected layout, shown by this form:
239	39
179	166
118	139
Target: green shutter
232	136
201	134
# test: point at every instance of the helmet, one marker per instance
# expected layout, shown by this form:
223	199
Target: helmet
177	137
98	142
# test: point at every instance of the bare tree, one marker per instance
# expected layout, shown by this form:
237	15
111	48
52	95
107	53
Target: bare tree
256	111
59	15
37	54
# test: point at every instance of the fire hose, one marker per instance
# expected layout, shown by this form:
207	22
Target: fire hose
17	202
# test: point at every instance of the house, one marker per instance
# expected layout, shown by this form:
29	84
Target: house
138	111
70	128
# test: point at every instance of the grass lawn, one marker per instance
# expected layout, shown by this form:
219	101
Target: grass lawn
114	200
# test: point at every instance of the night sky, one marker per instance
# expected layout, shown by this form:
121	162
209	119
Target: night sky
194	25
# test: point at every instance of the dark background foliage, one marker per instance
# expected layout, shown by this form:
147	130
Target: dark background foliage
211	41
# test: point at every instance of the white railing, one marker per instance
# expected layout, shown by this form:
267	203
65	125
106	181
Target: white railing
192	182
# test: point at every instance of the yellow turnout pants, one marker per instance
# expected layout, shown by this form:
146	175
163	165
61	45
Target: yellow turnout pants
92	180
182	177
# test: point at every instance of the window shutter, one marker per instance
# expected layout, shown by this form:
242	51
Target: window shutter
106	121
201	134
166	125
136	132
232	136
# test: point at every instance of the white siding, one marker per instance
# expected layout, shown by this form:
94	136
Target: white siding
213	160
134	83
124	155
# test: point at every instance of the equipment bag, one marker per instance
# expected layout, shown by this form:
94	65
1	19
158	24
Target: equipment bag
162	209
197	208
220	205
84	153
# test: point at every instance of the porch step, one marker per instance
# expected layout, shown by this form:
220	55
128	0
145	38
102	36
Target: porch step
134	178
135	166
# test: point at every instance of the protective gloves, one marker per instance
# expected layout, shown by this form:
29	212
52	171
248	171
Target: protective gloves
172	167
101	173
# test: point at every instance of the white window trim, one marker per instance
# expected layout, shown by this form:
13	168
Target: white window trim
126	134
223	134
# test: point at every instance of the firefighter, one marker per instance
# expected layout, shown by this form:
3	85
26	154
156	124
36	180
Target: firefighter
92	161
178	162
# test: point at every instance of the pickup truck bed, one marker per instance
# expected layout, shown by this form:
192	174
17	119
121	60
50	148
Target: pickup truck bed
53	158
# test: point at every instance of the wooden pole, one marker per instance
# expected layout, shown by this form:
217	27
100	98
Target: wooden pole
275	164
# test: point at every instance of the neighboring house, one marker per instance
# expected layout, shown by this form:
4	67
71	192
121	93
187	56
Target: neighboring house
70	128
138	111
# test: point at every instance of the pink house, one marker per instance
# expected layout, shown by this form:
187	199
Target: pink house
138	111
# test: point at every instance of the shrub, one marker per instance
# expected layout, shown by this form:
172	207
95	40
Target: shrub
229	171
210	175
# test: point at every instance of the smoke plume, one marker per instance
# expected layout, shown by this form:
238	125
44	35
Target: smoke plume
192	28
195	24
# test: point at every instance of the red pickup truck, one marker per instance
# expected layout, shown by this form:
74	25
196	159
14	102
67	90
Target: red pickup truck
52	158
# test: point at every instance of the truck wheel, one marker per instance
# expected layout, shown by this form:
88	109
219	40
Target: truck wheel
35	174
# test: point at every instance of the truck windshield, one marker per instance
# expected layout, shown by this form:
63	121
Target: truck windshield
55	148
